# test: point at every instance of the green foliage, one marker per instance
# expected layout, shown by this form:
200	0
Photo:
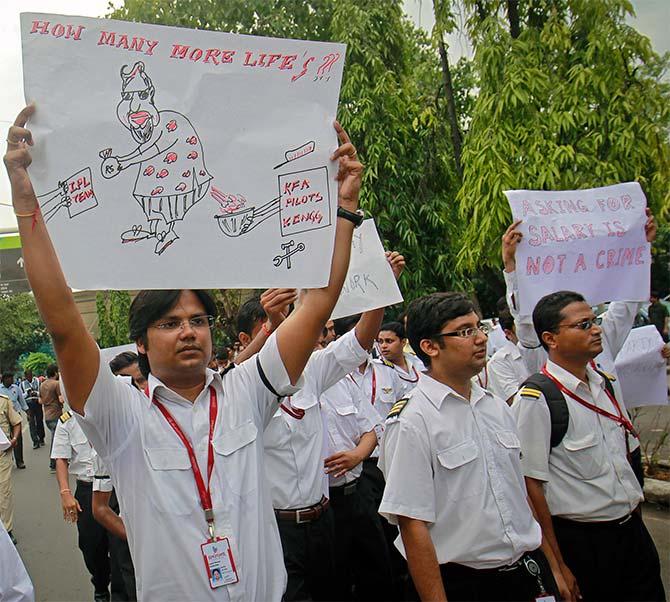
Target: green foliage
113	308
576	101
391	104
37	362
21	328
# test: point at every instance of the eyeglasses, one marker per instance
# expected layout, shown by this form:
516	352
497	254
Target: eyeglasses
584	324
465	333
196	322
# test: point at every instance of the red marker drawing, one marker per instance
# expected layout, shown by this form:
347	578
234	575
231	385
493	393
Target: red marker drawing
297	153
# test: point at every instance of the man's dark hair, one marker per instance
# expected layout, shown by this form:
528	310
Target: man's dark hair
427	315
344	325
548	312
654	294
251	311
506	320
150	306
52	370
396	327
501	304
7	374
123	360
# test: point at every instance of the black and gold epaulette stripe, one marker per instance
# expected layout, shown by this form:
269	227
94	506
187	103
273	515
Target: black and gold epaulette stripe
65	416
528	392
398	407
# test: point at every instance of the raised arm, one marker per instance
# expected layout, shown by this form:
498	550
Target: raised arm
76	350
299	333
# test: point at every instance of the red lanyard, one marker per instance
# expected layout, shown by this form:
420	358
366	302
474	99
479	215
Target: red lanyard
620	419
409	380
486	378
374	384
296	413
203	492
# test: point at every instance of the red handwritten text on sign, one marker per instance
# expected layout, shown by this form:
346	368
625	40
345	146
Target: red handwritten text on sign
304	201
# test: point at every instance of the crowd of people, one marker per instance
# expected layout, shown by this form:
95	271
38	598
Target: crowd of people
348	459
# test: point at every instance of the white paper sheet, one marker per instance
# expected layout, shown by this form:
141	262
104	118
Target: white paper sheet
589	241
370	283
173	158
642	370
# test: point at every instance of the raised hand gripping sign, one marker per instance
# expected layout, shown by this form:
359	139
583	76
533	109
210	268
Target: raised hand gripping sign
176	158
589	241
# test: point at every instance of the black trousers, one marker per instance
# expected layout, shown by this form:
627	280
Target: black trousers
121	563
92	539
465	584
18	450
362	559
309	557
36	422
611	561
372	485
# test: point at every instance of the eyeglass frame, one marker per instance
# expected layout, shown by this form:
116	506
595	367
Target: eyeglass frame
484	329
597	321
164	326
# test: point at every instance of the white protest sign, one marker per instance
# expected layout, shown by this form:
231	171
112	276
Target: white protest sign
174	158
4	442
370	283
588	241
641	369
109	353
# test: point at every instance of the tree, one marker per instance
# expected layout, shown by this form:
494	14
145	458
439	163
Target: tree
21	328
575	101
392	104
113	308
37	362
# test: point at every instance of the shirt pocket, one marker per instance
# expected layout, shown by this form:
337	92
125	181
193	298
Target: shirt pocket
509	441
173	489
462	470
585	456
237	459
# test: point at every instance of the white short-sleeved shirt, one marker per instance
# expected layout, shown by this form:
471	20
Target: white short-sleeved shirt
587	475
15	583
70	443
157	491
616	326
294	447
348	418
102	479
455	465
506	371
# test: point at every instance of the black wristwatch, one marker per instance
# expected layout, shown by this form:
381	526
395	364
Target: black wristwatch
356	218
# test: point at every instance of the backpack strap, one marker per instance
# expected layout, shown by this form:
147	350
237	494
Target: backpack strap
558	408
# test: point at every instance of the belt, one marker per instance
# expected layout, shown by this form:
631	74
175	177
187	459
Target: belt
617	522
520	563
304	515
342	490
85	484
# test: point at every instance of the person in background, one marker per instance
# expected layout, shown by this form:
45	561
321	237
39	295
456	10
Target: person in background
9	389
391	341
10	425
30	387
52	403
506	369
659	315
74	455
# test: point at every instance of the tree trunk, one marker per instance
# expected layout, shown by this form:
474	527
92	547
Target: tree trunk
456	137
513	16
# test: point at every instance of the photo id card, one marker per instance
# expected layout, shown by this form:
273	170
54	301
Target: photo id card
219	562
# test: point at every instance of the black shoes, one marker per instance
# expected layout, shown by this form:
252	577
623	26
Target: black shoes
22	465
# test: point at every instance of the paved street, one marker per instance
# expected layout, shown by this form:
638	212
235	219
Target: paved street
48	545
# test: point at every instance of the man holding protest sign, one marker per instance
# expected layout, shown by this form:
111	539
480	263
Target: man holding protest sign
183	520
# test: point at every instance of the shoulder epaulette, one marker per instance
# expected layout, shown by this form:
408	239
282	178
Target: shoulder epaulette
530	392
386	362
609	376
5	397
65	416
398	407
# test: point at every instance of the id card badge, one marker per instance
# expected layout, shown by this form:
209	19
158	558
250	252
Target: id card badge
219	562
545	598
